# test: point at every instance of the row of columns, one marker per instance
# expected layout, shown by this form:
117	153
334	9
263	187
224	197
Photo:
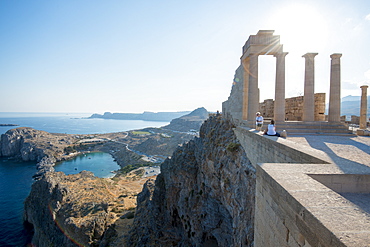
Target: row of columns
252	91
309	88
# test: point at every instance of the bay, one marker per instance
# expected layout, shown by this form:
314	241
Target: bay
16	177
101	164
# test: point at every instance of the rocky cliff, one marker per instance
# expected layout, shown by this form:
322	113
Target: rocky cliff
80	209
204	195
189	122
28	144
14	143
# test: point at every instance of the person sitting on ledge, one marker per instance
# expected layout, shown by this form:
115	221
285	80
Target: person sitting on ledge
271	131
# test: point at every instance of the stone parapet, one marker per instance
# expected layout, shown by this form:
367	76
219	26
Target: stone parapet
302	197
271	149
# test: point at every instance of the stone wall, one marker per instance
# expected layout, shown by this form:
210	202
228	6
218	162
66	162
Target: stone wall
267	108
283	216
271	149
355	119
294	108
291	181
234	105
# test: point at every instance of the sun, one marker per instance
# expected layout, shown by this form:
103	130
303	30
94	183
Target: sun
302	28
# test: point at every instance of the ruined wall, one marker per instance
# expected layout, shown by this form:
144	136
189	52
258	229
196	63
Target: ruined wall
267	108
294	108
233	107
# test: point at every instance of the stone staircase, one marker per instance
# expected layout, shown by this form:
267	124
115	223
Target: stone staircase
295	127
308	128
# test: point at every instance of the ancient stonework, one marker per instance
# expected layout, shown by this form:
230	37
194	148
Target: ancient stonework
204	195
294	108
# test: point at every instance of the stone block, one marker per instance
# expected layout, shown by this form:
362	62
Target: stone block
361	132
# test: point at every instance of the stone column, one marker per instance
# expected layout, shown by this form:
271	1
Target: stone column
253	94
309	87
363	109
245	64
334	93
279	106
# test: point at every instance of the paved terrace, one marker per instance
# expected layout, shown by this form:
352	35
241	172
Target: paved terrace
335	196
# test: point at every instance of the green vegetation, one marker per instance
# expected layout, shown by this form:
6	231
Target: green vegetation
126	169
69	150
232	147
140	133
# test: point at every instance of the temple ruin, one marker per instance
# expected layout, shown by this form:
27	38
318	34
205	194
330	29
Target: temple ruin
244	100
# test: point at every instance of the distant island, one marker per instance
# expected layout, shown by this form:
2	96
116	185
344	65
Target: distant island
146	116
9	125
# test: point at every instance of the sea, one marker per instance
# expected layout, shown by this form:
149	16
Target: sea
16	177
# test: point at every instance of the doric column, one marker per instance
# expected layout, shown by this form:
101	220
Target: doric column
334	93
309	87
245	64
363	110
253	87
279	106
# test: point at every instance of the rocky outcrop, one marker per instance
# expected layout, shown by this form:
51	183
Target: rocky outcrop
51	199
28	144
16	143
204	195
189	122
76	210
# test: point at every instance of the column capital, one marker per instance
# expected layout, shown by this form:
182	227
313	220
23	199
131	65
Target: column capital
281	54
336	55
364	87
310	55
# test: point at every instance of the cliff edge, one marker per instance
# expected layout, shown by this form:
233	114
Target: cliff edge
189	122
204	195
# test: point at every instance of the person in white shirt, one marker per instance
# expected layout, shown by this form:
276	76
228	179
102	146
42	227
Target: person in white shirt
271	130
259	121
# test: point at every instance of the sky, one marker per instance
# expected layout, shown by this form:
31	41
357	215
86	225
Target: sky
146	55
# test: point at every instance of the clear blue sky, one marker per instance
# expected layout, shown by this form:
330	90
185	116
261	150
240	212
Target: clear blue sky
135	56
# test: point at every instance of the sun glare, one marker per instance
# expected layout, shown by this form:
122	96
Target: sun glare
302	28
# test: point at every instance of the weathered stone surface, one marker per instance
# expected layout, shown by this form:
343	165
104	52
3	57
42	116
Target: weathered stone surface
29	144
70	210
189	122
203	196
294	108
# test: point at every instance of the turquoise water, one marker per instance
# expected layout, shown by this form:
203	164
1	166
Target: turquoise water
16	177
101	164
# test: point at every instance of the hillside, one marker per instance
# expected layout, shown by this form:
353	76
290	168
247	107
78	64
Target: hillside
189	122
204	195
146	116
351	105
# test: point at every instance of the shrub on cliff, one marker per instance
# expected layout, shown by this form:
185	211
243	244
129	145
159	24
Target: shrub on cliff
232	147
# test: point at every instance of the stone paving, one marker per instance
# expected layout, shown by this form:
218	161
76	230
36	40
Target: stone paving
349	153
348	219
